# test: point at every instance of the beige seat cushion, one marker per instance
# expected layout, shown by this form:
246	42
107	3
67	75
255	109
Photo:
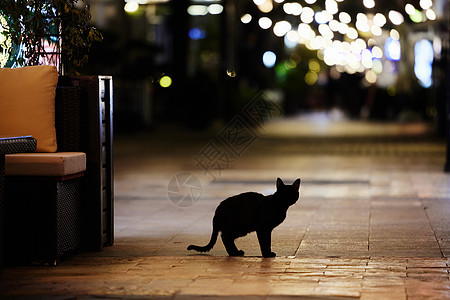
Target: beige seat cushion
27	104
45	164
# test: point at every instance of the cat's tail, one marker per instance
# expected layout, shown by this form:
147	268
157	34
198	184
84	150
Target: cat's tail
211	243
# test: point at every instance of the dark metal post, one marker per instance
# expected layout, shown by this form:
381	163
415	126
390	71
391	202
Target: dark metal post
447	126
446	53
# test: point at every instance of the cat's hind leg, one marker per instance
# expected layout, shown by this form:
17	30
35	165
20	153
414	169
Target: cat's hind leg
265	241
228	242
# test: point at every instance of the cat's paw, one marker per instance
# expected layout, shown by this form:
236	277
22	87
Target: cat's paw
271	254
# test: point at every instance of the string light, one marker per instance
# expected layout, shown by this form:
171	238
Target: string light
265	22
369	3
347	45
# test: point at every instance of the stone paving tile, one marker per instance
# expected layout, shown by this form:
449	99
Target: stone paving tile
371	223
207	275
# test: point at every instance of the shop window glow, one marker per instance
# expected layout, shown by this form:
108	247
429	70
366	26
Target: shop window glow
392	49
197	33
423	63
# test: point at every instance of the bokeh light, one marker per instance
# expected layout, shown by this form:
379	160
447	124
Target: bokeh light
269	59
165	81
265	22
131	7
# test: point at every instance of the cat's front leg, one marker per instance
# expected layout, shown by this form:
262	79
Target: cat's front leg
265	241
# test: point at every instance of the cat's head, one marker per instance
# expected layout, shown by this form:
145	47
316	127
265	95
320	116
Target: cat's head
289	193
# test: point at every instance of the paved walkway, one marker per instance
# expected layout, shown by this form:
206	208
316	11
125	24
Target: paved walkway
371	223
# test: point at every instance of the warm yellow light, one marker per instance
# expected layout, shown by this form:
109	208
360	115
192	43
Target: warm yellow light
379	20
396	17
311	78
215	9
314	65
410	9
265	22
266	6
366	59
343	28
292	8
334	25
345	17
394	34
305	32
292	36
376	31
331	6
281	28
431	15
165	81
307	15
352	33
197	10
231	73
290	64
371	77
377	52
325	31
377	66
247	18
131	7
362	26
425	4
369	3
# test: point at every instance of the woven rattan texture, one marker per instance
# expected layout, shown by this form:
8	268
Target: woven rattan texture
44	220
17	145
68	119
68	214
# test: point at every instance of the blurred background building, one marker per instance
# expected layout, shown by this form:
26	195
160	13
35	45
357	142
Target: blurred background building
197	61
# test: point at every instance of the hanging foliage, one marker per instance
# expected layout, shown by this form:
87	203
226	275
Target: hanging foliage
49	31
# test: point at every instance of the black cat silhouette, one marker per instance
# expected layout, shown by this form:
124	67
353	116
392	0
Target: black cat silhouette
244	213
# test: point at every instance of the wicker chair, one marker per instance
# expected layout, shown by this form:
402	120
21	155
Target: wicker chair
49	217
44	214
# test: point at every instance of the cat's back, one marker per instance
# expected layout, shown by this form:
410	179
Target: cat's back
247	198
240	203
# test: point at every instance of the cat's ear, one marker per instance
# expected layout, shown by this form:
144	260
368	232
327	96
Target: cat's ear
279	182
296	184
